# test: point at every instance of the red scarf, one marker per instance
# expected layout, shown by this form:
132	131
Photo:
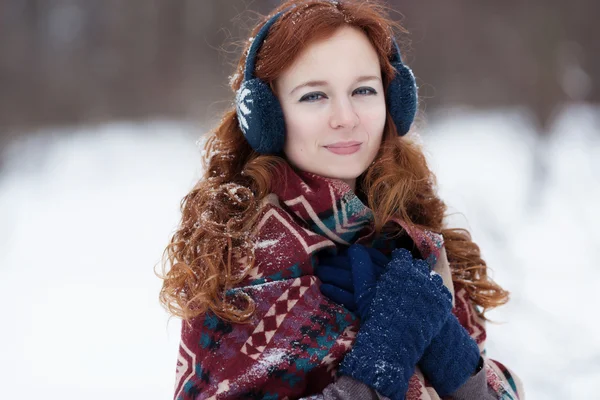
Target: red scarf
296	338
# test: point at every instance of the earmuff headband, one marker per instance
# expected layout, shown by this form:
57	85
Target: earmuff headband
250	65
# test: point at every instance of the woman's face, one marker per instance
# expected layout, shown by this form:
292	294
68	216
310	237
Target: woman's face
334	106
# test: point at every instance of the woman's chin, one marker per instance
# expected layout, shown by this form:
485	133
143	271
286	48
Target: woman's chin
342	176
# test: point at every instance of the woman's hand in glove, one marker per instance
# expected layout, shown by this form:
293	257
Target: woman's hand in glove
350	279
408	307
349	284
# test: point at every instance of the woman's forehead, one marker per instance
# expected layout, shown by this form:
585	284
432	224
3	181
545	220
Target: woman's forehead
347	54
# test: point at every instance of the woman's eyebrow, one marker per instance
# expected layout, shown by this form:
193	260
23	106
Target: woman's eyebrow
309	84
324	83
367	78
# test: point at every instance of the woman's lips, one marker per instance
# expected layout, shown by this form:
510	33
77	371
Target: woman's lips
344	148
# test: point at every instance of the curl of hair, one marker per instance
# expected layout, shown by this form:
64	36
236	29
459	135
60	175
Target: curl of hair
212	249
400	184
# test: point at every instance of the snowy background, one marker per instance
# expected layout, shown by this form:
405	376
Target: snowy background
85	214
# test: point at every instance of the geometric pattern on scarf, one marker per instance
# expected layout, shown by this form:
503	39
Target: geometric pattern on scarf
292	345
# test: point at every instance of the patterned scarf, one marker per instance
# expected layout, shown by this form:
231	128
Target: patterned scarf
294	342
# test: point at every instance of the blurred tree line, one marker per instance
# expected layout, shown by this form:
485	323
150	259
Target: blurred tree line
87	61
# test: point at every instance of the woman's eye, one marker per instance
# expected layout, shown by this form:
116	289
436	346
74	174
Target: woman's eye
311	97
365	91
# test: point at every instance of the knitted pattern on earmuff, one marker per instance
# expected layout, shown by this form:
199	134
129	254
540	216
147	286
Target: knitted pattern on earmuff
260	117
259	112
402	99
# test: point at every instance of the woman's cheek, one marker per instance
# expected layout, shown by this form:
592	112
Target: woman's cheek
374	122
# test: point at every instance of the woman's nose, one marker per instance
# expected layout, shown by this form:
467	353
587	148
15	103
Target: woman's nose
343	114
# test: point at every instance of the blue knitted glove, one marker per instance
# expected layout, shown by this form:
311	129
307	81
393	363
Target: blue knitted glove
348	285
451	358
335	274
368	265
409	307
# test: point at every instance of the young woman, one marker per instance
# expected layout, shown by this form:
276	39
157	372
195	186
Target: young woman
312	258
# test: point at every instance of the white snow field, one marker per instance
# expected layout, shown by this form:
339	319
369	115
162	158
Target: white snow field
86	212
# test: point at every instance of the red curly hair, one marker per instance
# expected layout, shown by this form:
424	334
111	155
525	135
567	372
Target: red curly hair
219	213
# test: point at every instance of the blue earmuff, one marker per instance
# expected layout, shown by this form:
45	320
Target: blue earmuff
260	115
401	96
